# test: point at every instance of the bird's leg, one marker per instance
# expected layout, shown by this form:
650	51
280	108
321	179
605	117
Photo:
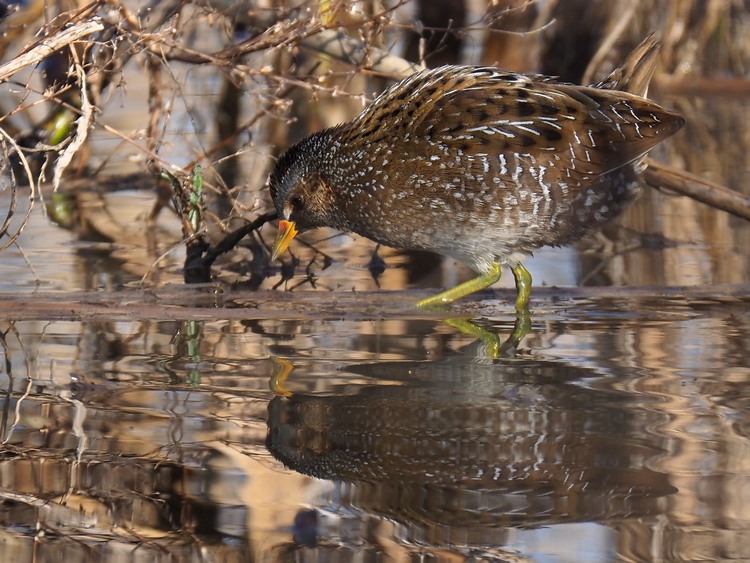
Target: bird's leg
523	287
464	289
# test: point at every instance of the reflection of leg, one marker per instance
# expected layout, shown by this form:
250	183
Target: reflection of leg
523	287
491	346
464	289
521	328
281	370
490	341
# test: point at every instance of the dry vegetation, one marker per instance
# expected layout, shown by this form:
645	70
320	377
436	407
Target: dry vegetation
229	84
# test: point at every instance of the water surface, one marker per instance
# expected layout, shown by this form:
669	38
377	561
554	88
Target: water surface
616	431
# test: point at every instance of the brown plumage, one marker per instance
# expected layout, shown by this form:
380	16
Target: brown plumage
478	164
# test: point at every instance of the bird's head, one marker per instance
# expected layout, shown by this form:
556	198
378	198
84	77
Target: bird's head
301	192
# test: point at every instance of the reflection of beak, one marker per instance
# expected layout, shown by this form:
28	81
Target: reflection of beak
287	231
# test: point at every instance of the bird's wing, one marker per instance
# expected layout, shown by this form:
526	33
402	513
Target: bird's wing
579	131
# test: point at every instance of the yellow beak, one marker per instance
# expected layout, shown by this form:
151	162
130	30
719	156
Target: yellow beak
287	231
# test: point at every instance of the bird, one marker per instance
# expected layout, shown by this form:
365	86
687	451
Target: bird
478	164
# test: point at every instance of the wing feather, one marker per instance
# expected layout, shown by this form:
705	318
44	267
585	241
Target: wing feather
579	131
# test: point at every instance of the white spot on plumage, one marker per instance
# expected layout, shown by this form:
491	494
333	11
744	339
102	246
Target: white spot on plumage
492	130
551	121
516	174
527	129
544	96
503	169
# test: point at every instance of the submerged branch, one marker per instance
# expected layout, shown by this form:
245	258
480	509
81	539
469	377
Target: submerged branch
232	239
200	255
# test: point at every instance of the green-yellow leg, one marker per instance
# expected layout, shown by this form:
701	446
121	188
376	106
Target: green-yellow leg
490	341
523	287
520	273
464	289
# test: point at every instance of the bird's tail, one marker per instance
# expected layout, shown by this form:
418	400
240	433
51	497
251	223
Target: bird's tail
634	74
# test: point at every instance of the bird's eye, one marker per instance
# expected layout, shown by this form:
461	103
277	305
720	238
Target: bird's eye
297	202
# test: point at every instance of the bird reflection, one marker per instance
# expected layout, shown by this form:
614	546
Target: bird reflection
462	446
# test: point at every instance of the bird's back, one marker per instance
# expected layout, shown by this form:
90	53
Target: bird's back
482	163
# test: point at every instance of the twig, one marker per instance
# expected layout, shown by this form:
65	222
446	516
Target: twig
341	46
85	121
32	195
232	239
49	45
659	175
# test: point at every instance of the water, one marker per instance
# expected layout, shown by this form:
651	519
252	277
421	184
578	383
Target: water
618	431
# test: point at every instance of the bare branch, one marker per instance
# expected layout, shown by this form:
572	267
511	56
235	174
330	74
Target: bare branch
343	47
49	45
84	123
662	176
25	163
